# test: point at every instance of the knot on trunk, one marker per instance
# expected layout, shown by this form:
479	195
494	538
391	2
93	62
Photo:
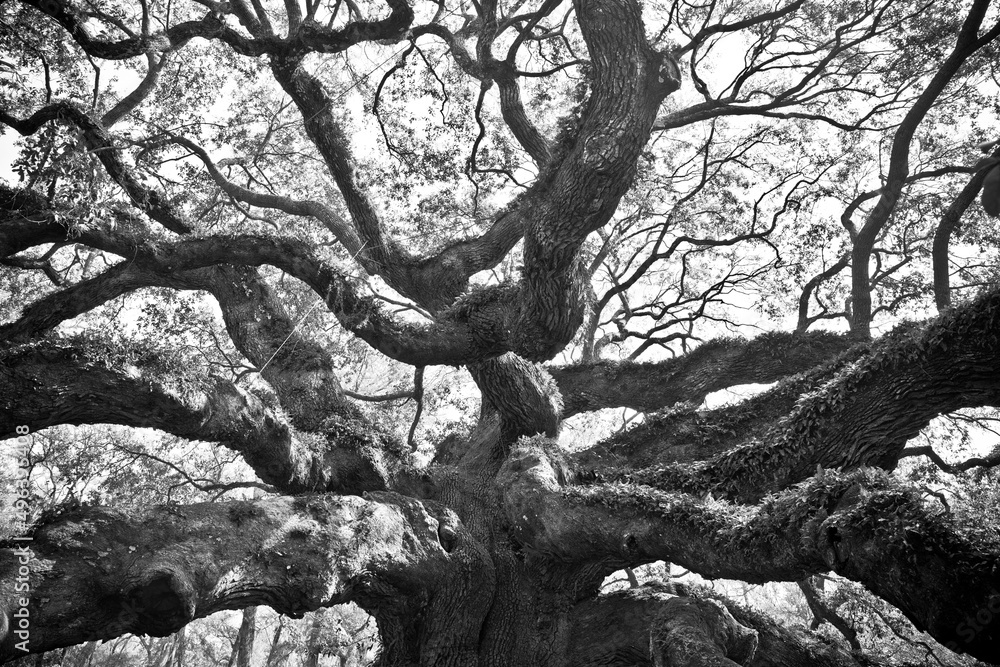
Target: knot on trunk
524	394
702	633
668	75
160	604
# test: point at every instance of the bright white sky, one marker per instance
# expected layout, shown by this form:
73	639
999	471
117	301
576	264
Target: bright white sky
7	155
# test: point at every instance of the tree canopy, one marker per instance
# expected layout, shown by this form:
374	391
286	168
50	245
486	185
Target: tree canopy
423	305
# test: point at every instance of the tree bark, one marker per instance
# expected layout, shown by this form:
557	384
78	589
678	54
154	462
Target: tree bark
495	557
862	525
712	366
97	573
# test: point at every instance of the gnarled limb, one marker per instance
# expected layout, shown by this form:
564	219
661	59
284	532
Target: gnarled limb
69	302
861	413
512	110
46	383
521	392
433	282
479	327
862	525
583	189
712	366
305	37
130	102
98	573
645	626
685	433
618	627
300	371
482	325
26	221
447	341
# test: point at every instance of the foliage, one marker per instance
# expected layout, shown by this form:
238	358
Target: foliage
467	173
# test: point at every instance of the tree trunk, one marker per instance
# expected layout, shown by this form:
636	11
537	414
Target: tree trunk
274	654
496	558
243	646
312	645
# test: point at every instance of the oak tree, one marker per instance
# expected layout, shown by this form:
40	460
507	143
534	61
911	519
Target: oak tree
218	211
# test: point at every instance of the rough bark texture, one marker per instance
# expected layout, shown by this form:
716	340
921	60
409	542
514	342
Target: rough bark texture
52	383
676	630
98	573
495	554
713	366
858	411
735	635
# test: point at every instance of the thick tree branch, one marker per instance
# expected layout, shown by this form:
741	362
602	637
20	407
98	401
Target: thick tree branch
518	398
861	413
98	573
514	115
862	525
645	626
621	624
130	102
306	37
48	383
685	433
419	345
433	282
587	181
712	366
53	309
300	371
357	455
482	325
